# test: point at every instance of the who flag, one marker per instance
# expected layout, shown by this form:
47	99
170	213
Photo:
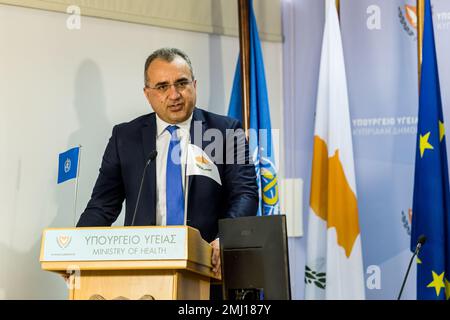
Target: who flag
334	266
431	183
68	165
261	148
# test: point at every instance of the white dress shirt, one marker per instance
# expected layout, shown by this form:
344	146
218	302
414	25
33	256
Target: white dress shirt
162	147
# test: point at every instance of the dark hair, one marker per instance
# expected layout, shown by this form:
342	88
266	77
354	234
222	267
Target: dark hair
166	54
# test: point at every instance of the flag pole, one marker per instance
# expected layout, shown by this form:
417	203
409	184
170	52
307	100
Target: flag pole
76	187
244	44
420	21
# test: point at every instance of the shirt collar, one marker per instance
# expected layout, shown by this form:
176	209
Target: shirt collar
161	125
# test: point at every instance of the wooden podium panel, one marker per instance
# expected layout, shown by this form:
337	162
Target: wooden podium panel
159	284
184	275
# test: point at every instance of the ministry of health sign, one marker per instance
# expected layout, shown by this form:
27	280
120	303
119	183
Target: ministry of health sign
107	244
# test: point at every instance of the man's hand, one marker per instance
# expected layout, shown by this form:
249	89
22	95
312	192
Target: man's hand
215	257
66	277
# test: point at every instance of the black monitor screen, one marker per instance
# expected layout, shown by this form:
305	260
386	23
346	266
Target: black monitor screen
254	253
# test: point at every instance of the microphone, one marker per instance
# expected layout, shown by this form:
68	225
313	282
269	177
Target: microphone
150	158
420	242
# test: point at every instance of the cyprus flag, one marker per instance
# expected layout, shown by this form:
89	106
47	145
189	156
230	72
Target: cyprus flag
334	268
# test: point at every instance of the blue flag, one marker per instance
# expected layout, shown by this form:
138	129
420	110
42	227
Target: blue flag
431	183
68	165
261	149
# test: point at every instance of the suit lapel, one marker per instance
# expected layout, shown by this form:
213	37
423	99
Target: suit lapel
197	117
149	144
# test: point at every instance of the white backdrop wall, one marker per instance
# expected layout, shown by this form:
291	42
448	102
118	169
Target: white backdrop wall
60	88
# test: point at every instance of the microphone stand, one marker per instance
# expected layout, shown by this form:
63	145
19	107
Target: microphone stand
151	157
421	241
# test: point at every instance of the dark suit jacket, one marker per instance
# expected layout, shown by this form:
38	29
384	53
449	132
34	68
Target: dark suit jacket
122	167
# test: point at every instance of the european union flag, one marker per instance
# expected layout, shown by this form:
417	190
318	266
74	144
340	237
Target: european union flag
431	183
261	149
68	164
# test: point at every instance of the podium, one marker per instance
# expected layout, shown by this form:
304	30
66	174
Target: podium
161	263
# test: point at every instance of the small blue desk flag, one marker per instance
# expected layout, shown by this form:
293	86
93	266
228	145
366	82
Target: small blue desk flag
68	165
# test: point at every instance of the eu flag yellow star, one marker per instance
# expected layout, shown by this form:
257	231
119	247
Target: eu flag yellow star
437	283
441	131
424	144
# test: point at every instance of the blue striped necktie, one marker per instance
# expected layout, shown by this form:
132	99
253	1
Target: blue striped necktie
174	184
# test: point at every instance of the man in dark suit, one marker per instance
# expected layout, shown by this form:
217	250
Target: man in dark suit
220	183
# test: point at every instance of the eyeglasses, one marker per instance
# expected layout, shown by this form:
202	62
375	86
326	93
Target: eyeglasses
179	86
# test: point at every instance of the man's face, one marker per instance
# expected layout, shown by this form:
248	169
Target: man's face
172	103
